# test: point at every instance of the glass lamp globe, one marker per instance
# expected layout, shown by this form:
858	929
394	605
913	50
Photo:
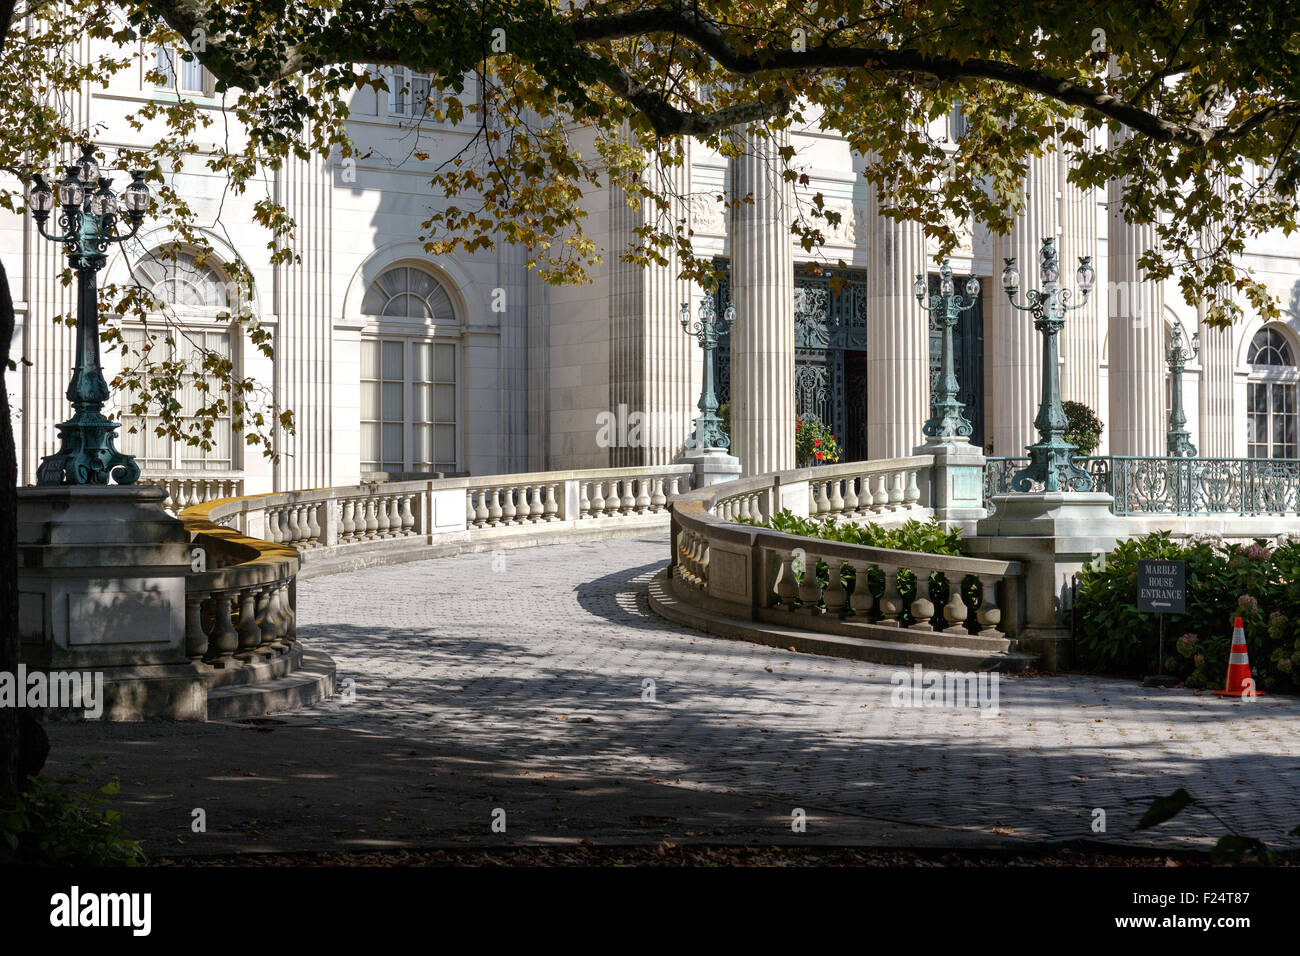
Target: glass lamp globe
70	191
1010	276
102	201
87	167
946	287
136	196
972	287
918	287
1086	275
41	197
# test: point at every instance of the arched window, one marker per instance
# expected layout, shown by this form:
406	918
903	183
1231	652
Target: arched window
409	293
408	377
191	295
1271	397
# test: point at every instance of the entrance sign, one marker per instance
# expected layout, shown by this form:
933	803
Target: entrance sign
1162	587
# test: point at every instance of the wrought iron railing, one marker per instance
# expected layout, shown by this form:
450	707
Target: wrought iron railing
1180	486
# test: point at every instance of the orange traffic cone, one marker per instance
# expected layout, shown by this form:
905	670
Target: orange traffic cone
1240	683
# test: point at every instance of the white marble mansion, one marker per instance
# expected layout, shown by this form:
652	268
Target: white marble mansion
397	361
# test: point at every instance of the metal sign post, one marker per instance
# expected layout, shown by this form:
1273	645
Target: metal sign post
1161	590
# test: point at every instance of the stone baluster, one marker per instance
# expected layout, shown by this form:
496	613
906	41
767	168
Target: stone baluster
896	492
597	499
272	521
913	494
550	508
250	635
347	518
642	496
835	597
261	614
862	600
382	523
785	589
584	502
313	523
809	591
657	497
880	497
471	518
836	499
891	602
196	642
850	504
823	500
508	510
954	612
922	606
224	639
481	513
620	502
989	614
408	518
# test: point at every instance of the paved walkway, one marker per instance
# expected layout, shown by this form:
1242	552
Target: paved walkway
518	683
544	655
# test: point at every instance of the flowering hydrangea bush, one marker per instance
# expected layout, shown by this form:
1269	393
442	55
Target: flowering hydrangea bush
1259	584
814	444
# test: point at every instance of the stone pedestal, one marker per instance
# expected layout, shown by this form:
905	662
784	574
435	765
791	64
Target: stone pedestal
101	580
1052	536
712	466
958	482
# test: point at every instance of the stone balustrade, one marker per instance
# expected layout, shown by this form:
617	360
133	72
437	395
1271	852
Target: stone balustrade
734	578
242	606
184	490
328	526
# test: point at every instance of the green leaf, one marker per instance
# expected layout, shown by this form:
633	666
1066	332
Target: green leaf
1163	809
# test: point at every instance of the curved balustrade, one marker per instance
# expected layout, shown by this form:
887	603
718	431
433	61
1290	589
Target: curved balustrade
380	517
242	607
746	573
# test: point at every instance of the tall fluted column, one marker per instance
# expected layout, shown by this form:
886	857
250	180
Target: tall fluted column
1215	434
655	366
1138	422
1081	345
762	291
898	336
1015	356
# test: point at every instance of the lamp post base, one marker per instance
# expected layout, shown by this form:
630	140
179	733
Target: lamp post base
86	455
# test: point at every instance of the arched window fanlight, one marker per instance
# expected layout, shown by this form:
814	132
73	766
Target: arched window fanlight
408	293
177	280
1269	347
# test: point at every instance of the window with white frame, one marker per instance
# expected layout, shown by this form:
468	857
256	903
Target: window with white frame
408	405
181	70
194	294
410	94
1271	414
408	376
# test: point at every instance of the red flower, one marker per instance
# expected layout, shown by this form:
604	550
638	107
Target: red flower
820	456
817	443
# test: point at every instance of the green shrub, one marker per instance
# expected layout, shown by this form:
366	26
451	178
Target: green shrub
1084	428
926	537
65	822
1259	585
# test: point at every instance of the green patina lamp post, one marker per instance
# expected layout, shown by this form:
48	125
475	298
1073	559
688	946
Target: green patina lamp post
1051	458
947	422
708	433
88	218
1179	440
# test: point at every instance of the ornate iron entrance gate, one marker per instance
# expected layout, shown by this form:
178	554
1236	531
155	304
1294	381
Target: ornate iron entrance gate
968	355
830	342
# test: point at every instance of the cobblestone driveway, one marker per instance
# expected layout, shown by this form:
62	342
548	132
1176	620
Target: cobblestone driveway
544	656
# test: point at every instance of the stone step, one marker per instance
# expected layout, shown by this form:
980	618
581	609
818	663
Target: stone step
905	652
313	681
263	666
851	627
